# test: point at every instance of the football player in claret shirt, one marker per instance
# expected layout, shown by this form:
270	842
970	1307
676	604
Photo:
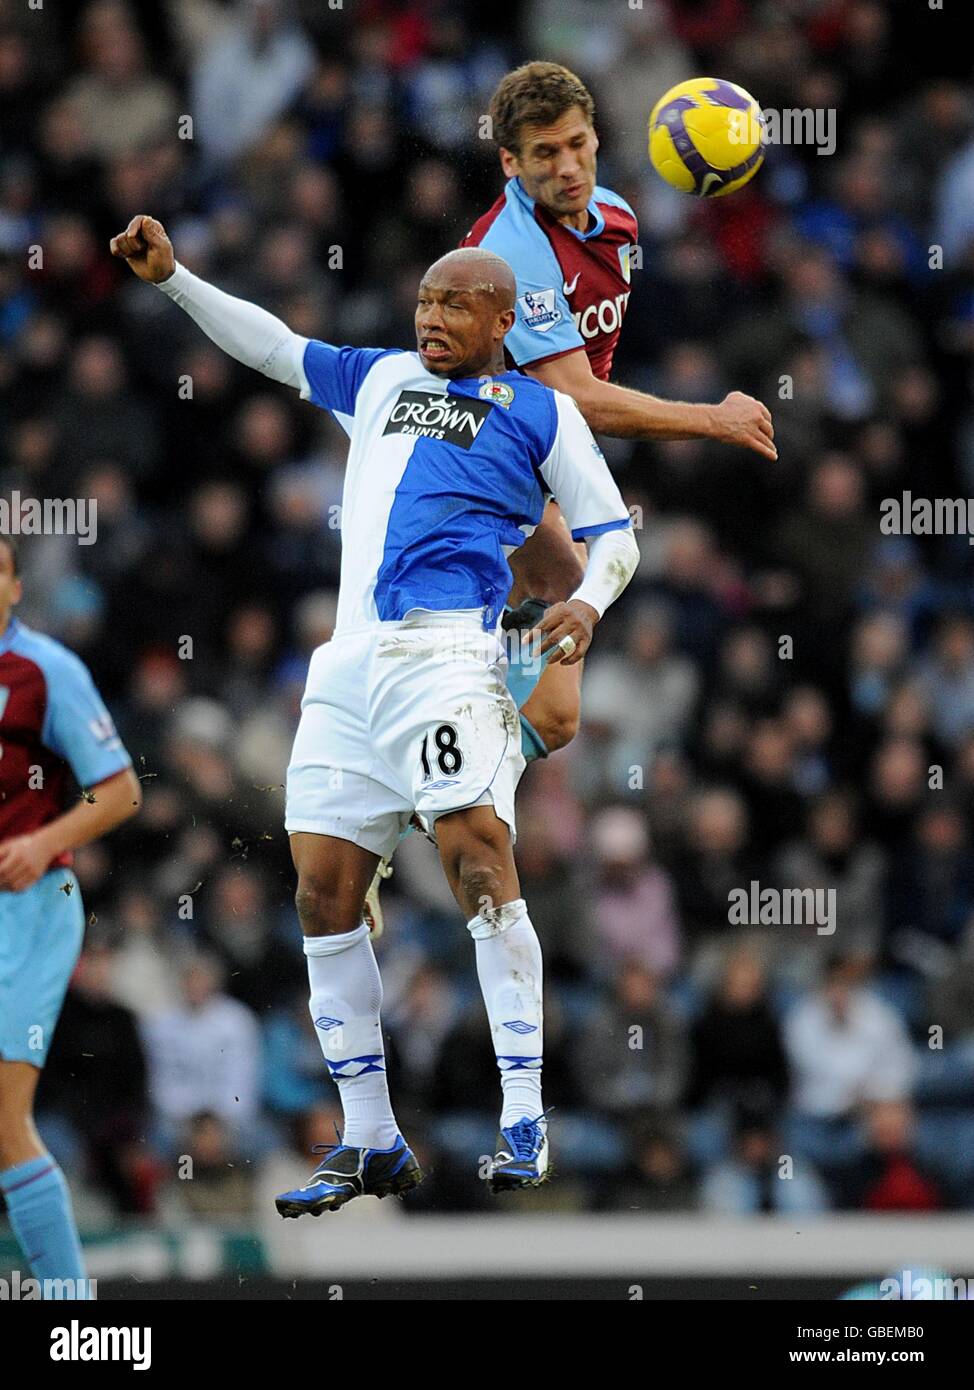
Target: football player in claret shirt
53	723
569	242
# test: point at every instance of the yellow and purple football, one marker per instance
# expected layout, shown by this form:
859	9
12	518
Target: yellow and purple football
706	137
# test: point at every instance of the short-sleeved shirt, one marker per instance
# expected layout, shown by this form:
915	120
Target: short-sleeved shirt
572	287
52	719
446	478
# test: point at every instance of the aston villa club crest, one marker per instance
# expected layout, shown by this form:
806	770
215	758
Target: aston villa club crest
497	391
624	265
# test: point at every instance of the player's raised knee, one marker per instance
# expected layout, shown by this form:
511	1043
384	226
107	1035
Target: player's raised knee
323	909
480	877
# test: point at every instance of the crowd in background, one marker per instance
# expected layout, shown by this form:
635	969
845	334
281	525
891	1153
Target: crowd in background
784	696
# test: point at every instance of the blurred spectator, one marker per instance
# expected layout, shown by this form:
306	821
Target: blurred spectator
736	1046
219	1183
657	1176
757	1177
420	1023
248	73
889	1175
95	1082
880	644
948	680
118	105
561	902
631	1059
634	911
203	1056
833	854
237	927
930	890
646	694
898	783
685	588
144	976
846	1048
714	860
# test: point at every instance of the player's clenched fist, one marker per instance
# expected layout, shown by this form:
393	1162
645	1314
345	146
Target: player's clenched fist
742	420
147	249
23	860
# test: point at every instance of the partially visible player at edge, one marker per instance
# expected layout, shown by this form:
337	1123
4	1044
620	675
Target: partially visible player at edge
450	459
568	241
52	720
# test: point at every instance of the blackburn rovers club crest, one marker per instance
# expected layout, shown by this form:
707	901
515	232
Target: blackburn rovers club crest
624	265
538	310
497	391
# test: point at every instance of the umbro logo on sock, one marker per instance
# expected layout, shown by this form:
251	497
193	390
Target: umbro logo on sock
518	1025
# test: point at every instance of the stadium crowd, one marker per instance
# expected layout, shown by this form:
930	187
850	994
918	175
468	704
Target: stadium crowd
784	696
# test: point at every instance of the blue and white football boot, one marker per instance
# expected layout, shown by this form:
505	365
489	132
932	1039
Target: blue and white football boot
521	1159
346	1172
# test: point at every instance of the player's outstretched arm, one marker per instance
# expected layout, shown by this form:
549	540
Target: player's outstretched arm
626	414
248	333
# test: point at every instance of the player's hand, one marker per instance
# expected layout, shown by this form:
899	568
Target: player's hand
574	619
147	249
743	420
22	862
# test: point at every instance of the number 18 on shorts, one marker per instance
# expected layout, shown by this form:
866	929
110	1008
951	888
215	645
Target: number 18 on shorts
401	718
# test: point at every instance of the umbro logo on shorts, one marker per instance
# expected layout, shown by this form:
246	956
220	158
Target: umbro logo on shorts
438	415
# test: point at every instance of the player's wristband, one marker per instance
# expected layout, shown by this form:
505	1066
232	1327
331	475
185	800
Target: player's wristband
612	560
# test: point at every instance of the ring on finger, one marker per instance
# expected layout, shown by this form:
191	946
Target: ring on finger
568	644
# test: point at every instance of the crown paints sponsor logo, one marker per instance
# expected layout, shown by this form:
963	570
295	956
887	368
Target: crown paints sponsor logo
425	415
77	1343
50	516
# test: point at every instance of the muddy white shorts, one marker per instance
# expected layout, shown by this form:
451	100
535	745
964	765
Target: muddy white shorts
403	717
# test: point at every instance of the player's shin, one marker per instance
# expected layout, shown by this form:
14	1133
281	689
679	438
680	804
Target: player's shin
510	973
346	996
39	1210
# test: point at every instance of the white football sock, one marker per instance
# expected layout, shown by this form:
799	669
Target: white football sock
346	996
509	969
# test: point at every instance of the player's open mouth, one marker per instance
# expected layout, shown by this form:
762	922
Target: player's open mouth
434	348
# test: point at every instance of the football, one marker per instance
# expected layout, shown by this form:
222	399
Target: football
706	137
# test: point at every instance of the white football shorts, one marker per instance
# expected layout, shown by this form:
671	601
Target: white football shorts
403	717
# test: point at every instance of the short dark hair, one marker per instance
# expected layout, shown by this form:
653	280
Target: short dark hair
11	545
535	94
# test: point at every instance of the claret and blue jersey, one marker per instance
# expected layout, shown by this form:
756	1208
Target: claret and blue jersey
52	719
572	286
445	478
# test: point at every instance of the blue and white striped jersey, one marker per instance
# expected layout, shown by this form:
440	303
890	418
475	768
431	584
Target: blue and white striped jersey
446	478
